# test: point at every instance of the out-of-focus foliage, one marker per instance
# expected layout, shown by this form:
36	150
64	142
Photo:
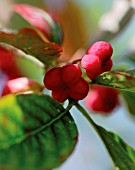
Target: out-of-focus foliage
30	42
36	133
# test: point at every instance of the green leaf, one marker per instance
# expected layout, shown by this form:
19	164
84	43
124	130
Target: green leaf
16	22
120	80
130	101
121	153
36	132
130	96
29	41
131	72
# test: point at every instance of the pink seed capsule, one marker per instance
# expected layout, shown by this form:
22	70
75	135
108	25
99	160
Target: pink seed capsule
106	66
52	79
102	49
71	73
102	99
92	64
66	83
21	85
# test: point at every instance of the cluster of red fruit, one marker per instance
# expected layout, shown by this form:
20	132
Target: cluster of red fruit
67	82
97	59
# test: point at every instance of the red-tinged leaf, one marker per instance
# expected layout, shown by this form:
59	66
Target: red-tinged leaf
30	42
41	20
120	80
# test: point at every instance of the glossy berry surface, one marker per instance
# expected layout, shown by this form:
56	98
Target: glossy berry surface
106	66
102	49
92	64
97	59
102	99
66	82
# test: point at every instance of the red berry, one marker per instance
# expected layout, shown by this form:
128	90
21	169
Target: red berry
66	82
106	66
52	79
71	73
102	49
102	99
97	59
92	64
60	95
79	90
